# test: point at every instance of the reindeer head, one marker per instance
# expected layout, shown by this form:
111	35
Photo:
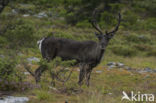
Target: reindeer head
104	37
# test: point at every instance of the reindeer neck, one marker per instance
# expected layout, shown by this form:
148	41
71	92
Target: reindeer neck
100	53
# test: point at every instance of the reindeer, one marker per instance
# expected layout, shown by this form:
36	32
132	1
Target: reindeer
87	54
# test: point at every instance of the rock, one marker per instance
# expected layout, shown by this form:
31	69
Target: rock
20	54
53	88
26	73
31	59
111	66
66	68
41	15
26	15
154	70
110	93
141	71
128	68
2	56
111	63
148	70
12	99
141	36
99	71
120	65
14	11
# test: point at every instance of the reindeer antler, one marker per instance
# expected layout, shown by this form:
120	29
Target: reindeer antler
117	26
94	23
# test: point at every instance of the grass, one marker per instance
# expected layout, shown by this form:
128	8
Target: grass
105	87
133	62
126	47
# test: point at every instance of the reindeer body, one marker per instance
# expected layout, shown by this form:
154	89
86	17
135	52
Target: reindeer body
82	51
87	53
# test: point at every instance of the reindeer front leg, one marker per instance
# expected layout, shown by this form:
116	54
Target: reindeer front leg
88	73
82	74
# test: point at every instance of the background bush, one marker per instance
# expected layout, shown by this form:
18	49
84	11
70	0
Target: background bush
20	34
124	51
11	78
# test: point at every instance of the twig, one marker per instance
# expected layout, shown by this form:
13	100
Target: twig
28	69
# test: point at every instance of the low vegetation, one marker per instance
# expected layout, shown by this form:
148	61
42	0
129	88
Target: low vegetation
23	22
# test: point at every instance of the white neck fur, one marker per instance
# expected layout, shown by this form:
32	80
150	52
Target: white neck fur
40	43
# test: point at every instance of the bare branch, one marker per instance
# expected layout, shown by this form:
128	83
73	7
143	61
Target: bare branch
27	67
57	74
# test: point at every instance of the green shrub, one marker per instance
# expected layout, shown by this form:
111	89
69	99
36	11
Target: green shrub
137	38
130	20
57	62
70	18
10	77
43	95
124	51
143	47
25	8
107	20
149	24
64	35
7	69
3	41
84	23
59	71
152	52
21	33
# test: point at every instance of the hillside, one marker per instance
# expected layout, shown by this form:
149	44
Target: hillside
129	63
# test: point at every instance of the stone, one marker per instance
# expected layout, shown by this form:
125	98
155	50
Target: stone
26	73
2	56
141	36
110	93
41	15
14	11
31	59
120	64
154	70
20	54
99	71
12	99
26	15
128	68
141	71
66	68
111	66
111	63
148	69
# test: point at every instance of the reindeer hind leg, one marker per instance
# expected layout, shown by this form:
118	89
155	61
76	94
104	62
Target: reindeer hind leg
39	72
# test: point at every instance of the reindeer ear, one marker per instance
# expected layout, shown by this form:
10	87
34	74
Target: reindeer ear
96	34
109	36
